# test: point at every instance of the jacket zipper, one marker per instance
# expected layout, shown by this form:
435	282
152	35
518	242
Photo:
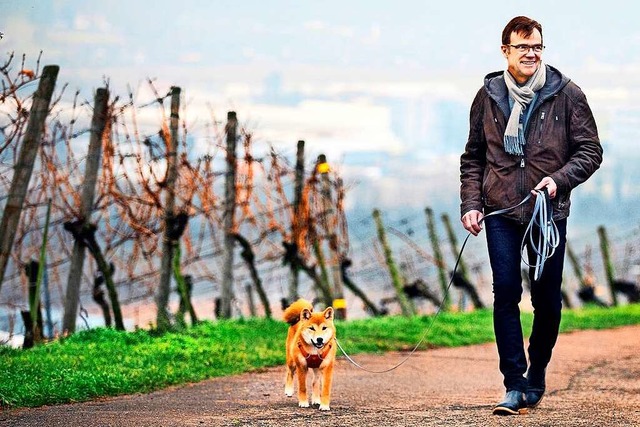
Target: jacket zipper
522	189
523	176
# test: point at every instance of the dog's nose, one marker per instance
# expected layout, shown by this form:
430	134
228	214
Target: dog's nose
319	340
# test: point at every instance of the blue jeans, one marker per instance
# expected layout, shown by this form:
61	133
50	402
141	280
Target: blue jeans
504	239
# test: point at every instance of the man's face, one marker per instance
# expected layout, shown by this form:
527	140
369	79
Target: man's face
522	65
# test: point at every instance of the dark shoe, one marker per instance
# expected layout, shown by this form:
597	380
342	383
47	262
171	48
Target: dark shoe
514	403
535	387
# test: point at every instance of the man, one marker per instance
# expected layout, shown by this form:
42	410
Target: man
530	129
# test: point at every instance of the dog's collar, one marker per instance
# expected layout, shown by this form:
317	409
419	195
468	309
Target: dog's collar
314	360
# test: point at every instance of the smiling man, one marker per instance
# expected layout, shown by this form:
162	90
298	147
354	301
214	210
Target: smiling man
531	128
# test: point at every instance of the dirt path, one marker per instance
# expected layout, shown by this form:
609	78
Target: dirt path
594	380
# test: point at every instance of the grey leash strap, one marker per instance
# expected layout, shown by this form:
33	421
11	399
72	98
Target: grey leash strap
548	238
547	242
505	210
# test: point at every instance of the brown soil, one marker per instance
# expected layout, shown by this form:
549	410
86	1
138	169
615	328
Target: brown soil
593	380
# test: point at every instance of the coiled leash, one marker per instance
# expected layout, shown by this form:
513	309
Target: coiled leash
548	238
543	247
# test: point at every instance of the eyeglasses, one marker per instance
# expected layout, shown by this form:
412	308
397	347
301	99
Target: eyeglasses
524	48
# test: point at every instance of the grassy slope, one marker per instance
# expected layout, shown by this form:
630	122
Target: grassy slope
104	362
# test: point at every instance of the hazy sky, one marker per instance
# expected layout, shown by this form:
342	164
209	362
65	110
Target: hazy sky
339	57
424	37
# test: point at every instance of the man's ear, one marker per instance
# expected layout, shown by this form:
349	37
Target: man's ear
305	315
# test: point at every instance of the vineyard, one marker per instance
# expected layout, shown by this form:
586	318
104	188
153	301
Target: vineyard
122	210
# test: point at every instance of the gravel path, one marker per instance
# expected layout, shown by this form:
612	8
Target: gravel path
593	380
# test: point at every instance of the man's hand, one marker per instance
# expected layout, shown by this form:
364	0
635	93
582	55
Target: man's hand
471	222
548	182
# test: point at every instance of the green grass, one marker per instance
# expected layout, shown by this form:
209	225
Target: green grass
105	362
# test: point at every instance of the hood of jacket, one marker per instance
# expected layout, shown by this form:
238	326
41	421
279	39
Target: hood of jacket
497	88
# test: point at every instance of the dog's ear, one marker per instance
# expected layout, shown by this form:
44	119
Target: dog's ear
328	313
305	315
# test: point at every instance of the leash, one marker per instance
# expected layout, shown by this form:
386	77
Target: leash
548	240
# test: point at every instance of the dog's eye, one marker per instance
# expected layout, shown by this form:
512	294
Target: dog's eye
312	328
324	328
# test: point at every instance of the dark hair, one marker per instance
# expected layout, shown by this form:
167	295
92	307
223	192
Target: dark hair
520	25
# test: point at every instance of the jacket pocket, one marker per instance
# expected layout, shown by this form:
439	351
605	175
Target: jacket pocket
489	187
561	206
543	123
548	144
498	187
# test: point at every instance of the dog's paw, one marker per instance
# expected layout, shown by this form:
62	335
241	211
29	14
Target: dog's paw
315	401
288	392
324	407
303	404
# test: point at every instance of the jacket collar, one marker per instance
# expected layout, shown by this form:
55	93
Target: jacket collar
497	89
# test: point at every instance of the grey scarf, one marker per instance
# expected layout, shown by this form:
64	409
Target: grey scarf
514	140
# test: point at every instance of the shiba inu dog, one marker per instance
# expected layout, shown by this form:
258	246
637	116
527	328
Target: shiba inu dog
310	345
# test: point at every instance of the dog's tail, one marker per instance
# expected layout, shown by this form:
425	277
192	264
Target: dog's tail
292	313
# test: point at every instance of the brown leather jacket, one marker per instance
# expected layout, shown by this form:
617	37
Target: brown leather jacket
562	142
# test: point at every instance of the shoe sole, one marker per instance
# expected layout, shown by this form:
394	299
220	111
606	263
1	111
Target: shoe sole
502	410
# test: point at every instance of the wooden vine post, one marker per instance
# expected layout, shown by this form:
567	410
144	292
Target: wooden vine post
229	213
608	265
163	321
24	166
296	224
94	155
330	219
437	253
396	279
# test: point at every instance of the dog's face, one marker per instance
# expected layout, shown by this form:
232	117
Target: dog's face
317	328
